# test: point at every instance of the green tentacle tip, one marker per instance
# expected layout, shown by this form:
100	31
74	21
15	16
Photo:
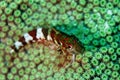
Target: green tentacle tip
4	70
36	15
95	42
18	1
5	29
33	71
3	4
21	72
2	46
2	77
73	4
115	2
13	28
42	75
17	13
53	9
96	2
116	18
18	32
8	11
19	65
85	60
79	8
102	66
111	50
31	64
29	11
11	33
43	3
94	62
21	25
86	75
91	24
2	24
37	60
103	3
25	63
68	75
109	5
13	5
3	17
2	35
111	22
113	57
9	42
101	21
76	76
88	54
10	18
96	35
16	61
87	66
63	3
106	58
24	16
98	71
91	72
16	77
96	78
82	2
114	44
32	77
17	20
107	16
116	67
13	70
34	23
10	76
37	75
62	10
118	51
95	16
103	49
94	30
23	7
79	70
34	6
31	1
44	68
79	16
102	33
117	38
62	77
115	74
108	71
104	77
27	70
110	65
118	78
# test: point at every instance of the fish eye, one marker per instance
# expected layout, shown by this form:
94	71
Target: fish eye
69	46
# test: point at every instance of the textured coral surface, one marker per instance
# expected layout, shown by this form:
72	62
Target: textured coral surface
95	23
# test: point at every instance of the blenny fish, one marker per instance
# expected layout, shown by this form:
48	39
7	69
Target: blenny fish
69	45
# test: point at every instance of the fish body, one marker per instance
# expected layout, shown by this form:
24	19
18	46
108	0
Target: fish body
59	38
68	46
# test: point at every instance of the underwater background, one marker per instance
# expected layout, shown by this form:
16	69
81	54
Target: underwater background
95	23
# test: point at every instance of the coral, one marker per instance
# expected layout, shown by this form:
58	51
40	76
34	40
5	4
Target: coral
94	22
